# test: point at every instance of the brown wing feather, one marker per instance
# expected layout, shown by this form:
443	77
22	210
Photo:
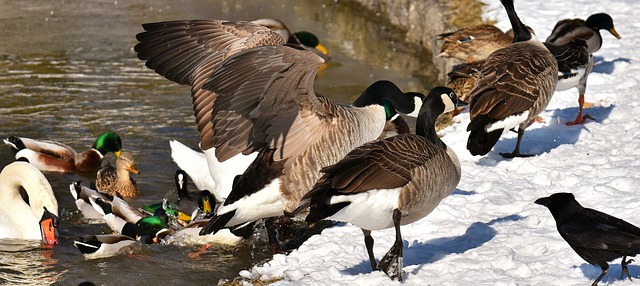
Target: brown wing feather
188	52
261	92
383	164
510	81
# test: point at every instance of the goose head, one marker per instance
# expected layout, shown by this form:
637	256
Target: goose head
440	100
387	94
602	21
27	204
108	142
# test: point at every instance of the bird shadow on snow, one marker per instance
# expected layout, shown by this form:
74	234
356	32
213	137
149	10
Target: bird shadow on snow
607	67
546	138
592	272
421	253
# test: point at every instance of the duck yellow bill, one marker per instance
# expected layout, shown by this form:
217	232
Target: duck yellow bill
183	216
322	49
206	206
48	230
614	33
118	153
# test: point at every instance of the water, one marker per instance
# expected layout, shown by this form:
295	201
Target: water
68	72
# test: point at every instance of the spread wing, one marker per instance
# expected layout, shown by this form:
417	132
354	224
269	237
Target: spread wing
266	98
187	52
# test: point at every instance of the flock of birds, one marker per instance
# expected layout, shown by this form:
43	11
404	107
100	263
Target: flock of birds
273	147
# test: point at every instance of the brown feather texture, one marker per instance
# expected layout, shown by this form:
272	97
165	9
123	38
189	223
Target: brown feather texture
516	84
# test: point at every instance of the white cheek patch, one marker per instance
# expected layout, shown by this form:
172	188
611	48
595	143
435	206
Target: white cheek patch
417	102
448	104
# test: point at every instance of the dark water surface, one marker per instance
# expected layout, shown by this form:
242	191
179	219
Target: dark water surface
68	72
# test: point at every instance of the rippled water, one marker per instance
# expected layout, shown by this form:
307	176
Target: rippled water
68	72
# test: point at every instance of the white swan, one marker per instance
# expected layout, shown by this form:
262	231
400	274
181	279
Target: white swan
206	172
36	219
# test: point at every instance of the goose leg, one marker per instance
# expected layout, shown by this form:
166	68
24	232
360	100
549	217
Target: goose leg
625	269
368	242
605	269
272	234
516	152
391	263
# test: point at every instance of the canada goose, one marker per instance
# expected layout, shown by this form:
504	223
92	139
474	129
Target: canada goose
51	156
390	182
287	168
473	43
595	236
574	66
515	85
568	30
117	180
28	208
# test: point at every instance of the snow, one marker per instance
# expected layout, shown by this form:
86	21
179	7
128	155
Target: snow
489	231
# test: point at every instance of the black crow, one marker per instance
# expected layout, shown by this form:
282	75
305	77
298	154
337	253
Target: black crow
597	237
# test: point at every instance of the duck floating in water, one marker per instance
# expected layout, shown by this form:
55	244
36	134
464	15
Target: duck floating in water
51	156
117	180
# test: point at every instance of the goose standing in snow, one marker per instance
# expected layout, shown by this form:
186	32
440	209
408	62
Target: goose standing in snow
51	156
28	207
515	85
390	182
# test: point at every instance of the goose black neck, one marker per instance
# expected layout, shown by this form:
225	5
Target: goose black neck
520	31
426	122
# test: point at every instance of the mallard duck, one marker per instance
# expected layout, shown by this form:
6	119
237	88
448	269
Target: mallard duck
28	207
51	156
117	180
568	30
515	85
301	38
473	43
574	66
103	245
390	182
463	77
81	194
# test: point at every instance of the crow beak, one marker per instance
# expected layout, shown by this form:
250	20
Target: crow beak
543	201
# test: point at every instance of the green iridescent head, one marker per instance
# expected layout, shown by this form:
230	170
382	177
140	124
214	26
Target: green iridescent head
108	142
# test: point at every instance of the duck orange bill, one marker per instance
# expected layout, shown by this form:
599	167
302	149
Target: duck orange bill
133	169
48	225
